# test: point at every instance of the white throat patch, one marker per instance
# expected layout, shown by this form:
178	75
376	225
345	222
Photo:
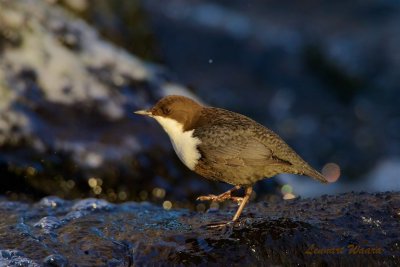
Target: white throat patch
185	145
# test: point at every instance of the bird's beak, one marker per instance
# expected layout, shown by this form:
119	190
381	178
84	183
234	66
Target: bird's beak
143	112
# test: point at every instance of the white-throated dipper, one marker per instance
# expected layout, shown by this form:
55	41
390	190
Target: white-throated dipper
226	146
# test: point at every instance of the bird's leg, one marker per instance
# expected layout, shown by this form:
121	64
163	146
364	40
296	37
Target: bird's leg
243	202
222	197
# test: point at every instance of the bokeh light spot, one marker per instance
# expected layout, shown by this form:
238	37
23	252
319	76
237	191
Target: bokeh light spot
97	190
331	171
92	182
287	188
122	195
70	184
31	171
167	205
158	192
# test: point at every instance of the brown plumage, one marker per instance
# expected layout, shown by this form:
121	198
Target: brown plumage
231	147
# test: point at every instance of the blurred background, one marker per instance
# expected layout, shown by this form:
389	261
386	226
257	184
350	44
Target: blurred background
324	75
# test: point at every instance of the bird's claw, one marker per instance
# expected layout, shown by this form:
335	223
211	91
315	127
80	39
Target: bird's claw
207	198
220	198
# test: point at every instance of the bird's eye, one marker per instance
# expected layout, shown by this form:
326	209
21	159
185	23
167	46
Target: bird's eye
166	111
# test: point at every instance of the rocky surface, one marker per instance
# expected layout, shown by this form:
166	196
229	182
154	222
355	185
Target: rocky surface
349	229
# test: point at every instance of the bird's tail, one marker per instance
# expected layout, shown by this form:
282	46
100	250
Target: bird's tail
315	174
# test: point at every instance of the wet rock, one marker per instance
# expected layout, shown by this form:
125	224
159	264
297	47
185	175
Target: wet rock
9	257
346	229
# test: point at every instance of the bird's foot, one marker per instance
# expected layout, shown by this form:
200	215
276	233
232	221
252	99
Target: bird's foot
222	197
241	201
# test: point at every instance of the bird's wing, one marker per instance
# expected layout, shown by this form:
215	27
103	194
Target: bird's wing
240	146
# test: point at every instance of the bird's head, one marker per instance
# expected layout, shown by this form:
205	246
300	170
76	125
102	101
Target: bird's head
174	109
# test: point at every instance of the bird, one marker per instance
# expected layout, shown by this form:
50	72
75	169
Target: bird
226	146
